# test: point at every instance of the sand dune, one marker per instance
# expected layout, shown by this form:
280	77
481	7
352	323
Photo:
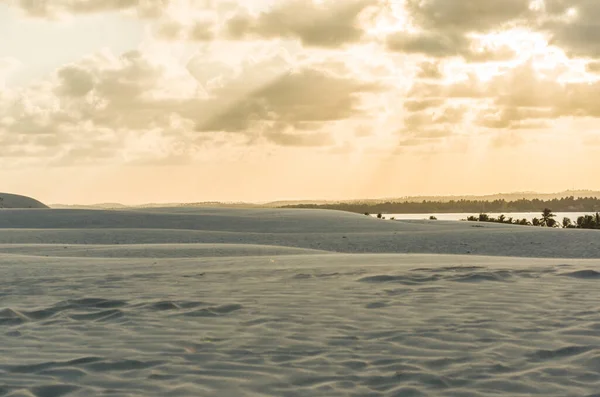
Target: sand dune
213	302
8	200
307	229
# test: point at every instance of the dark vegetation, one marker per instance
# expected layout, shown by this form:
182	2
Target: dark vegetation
547	219
565	204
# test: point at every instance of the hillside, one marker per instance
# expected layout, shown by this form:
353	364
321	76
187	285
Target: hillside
17	201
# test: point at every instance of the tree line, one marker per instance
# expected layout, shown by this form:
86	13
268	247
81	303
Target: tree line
547	219
565	204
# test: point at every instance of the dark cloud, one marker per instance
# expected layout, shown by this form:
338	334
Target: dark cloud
329	24
444	45
445	28
434	44
202	31
75	81
429	70
466	16
307	96
577	33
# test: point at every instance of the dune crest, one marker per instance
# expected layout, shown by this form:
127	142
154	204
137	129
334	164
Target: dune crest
16	201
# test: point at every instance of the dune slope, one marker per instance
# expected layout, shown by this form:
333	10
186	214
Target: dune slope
307	229
8	200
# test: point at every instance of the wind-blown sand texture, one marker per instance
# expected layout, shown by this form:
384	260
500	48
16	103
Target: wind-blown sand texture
230	302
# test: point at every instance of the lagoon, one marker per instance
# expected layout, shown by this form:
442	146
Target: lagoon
463	216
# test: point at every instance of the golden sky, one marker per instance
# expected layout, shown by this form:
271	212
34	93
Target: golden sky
197	100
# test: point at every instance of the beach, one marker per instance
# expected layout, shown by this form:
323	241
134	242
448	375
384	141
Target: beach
269	302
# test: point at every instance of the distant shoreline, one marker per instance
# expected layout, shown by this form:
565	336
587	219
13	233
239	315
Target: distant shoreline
565	204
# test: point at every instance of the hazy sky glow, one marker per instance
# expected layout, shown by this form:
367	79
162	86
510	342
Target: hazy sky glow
194	100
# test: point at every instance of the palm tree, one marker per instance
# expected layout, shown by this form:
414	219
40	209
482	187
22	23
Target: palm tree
586	222
567	223
548	218
536	222
502	218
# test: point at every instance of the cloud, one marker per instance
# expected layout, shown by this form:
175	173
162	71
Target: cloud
451	28
310	95
445	45
327	24
446	28
507	106
574	26
429	70
593	67
124	107
438	80
75	81
416	105
434	44
435	28
465	16
514	118
437	121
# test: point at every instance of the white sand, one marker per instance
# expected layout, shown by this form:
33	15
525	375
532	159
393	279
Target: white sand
213	302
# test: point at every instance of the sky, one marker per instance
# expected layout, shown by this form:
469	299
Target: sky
139	101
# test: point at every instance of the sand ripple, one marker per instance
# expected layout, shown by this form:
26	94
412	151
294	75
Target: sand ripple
248	327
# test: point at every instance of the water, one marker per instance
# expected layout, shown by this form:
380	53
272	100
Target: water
460	216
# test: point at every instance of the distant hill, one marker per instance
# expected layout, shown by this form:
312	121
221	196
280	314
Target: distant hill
16	201
294	203
103	206
417	199
114	206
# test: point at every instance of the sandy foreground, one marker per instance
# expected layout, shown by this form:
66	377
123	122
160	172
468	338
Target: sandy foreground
230	302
